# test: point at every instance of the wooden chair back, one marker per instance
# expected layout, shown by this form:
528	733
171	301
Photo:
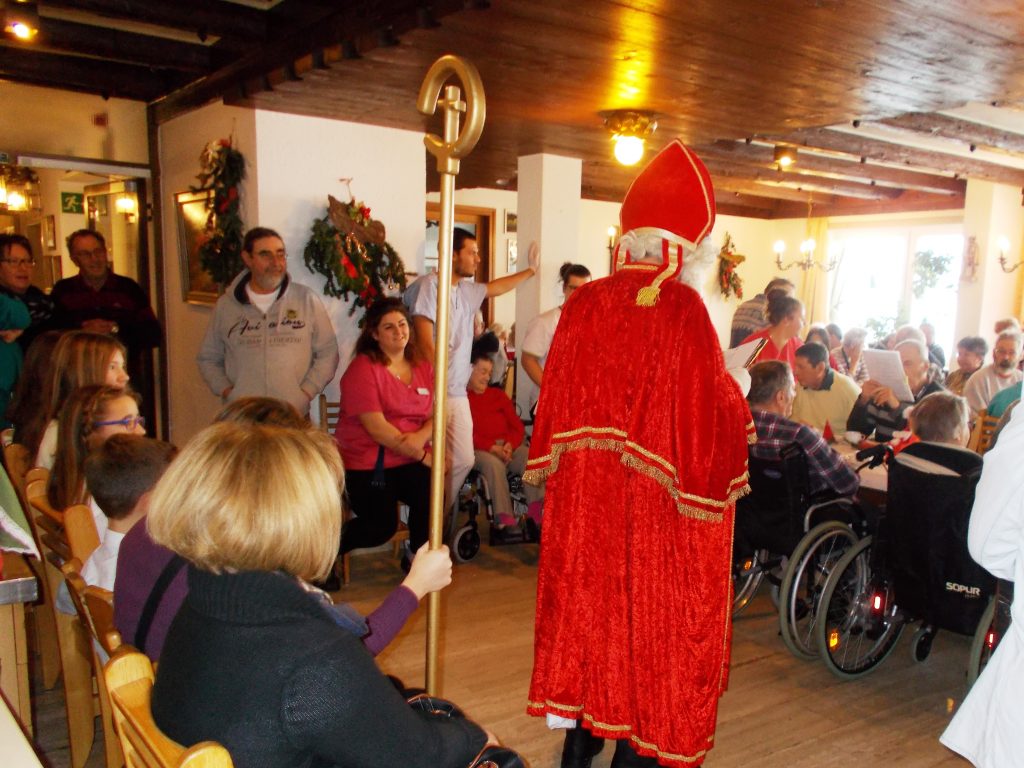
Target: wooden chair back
99	603
983	432
129	677
329	412
72	634
18	463
77	589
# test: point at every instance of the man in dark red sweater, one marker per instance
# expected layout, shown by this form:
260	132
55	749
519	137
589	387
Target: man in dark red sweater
497	438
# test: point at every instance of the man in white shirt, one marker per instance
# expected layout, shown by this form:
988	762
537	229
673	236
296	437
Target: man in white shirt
986	382
466	298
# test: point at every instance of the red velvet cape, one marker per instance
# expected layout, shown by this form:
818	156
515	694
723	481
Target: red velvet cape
642	437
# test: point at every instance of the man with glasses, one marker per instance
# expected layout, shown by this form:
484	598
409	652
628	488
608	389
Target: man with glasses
100	301
269	336
16	263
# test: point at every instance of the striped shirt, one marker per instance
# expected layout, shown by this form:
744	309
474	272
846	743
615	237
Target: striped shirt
825	468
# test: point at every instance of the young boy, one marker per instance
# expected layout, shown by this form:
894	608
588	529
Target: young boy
119	475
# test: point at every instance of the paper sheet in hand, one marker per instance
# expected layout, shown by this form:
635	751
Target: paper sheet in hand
743	355
885	367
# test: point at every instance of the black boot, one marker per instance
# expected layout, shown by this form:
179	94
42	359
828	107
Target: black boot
580	748
625	757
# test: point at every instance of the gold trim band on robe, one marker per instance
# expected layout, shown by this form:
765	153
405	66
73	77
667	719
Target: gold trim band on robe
642	461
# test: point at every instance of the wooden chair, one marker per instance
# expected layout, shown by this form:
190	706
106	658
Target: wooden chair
63	536
981	436
329	411
43	629
77	588
129	678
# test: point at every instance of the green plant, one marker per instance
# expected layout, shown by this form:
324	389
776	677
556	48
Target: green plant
928	268
348	248
220	245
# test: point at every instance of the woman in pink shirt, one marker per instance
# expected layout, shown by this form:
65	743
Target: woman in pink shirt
786	315
384	429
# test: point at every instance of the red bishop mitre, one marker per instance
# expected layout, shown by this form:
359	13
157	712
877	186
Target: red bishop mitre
672	198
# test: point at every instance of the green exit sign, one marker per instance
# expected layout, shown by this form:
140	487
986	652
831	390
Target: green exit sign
72	202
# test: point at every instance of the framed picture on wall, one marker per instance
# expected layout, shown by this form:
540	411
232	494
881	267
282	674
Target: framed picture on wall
513	255
49	232
511	222
197	286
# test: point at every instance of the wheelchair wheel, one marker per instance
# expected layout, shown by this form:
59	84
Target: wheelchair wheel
857	623
746	578
804	581
466	543
921	643
983	644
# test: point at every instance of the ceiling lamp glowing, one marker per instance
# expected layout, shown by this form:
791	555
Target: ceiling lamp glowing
629	129
21	19
785	156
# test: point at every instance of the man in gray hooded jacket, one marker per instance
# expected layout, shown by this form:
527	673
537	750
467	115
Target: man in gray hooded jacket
269	336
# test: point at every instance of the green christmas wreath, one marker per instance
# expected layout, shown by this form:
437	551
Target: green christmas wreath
220	245
348	247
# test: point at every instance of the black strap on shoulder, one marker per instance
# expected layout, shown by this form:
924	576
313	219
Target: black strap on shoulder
175	564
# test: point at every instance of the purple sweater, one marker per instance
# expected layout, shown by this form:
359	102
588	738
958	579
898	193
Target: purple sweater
140	562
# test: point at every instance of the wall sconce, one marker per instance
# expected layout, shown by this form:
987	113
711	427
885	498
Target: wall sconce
613	235
806	260
18	189
125	204
1003	243
784	157
629	129
21	19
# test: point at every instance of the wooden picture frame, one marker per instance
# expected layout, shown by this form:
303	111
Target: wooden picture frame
197	285
511	223
50	232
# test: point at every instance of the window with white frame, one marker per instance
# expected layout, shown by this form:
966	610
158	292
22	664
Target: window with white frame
887	276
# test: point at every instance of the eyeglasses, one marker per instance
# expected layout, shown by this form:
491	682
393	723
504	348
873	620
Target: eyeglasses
128	422
19	262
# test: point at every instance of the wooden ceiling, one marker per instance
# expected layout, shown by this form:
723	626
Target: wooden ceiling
891	104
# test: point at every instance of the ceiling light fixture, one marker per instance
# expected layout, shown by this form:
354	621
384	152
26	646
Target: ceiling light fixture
21	19
629	129
784	157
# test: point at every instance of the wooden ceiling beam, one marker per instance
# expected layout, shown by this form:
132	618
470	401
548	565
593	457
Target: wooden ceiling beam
848	169
899	154
362	21
774	178
81	74
200	16
956	129
733	184
83	40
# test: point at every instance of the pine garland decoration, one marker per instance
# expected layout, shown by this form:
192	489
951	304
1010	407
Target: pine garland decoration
347	247
220	248
729	281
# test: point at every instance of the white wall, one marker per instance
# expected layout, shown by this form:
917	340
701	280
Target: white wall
293	163
301	160
57	122
192	405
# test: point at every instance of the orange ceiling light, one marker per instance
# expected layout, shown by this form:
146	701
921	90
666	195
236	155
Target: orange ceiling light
630	130
21	19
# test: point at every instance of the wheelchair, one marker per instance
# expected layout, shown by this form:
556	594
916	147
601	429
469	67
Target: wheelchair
831	528
770	526
995	622
914	568
474	500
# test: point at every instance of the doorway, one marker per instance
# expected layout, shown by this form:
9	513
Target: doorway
479	221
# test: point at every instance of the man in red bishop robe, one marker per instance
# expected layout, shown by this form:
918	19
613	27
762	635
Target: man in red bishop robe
642	437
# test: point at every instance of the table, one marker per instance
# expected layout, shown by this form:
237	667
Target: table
875	479
17	587
17	750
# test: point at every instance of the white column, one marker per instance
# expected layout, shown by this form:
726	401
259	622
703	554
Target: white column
548	208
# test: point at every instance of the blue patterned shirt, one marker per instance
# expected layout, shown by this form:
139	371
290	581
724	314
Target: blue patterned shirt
825	468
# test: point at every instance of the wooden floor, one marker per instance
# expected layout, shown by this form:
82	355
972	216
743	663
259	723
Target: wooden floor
778	712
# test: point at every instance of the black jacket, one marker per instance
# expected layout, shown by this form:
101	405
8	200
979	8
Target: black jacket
255	663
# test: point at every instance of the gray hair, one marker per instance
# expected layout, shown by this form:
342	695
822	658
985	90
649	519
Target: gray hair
854	337
920	346
1013	336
